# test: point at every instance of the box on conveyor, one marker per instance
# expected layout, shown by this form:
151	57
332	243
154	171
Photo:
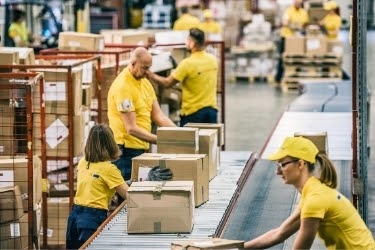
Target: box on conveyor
160	207
208	145
177	140
218	126
320	139
214	243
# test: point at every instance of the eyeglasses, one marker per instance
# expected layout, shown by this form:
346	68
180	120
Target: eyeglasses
283	164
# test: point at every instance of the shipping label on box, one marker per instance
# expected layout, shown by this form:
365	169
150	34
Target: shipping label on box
185	167
177	140
316	45
218	126
200	244
160	207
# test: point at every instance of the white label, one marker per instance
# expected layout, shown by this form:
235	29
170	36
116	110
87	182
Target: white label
242	61
2	149
49	232
313	44
55	91
15	230
143	173
6	178
56	133
87	72
74	44
61	187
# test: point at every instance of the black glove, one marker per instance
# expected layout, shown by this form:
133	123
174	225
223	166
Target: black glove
160	174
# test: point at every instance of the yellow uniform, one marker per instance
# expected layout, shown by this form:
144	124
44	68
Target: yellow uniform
96	183
210	27
128	94
341	226
198	75
297	19
19	32
332	23
186	22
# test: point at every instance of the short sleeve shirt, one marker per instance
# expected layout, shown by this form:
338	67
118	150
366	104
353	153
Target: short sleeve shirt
296	18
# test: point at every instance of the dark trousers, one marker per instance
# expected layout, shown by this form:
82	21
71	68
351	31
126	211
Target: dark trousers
82	223
204	115
280	67
124	163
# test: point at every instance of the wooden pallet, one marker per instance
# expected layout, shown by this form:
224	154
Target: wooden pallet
236	77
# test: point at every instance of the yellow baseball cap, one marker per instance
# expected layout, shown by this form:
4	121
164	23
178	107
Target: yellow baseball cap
330	5
207	13
297	147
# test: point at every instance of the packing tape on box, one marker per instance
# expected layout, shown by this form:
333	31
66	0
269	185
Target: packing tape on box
176	143
156	193
157	227
162	164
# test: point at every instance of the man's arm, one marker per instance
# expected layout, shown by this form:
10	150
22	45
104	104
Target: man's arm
166	82
129	118
277	235
159	117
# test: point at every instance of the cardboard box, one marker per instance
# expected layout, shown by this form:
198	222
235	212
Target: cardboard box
26	55
86	95
320	139
57	132
335	47
185	167
7	120
316	45
56	91
215	243
177	140
8	146
218	126
14	234
160	207
208	146
11	207
8	58
316	14
80	41
14	172
295	45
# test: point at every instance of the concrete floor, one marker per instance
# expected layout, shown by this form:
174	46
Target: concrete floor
253	109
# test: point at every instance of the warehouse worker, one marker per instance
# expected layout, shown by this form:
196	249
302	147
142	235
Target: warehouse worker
198	76
294	21
97	181
18	31
186	21
332	21
322	209
132	106
209	25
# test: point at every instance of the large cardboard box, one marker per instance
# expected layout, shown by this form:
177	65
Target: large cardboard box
320	139
160	207
57	132
177	140
316	45
218	126
15	172
185	167
201	244
14	234
26	55
9	58
11	207
208	146
56	91
295	45
80	41
335	46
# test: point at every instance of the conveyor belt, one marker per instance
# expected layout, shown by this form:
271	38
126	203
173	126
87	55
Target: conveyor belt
206	219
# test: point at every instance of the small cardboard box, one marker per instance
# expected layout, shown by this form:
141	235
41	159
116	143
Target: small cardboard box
295	45
320	139
80	41
11	207
177	140
14	234
26	55
316	45
57	132
208	244
185	167
208	146
9	58
160	207
218	126
336	47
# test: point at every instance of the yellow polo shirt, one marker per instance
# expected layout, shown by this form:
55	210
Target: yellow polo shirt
96	183
341	226
332	24
297	19
198	76
186	22
210	27
19	30
128	94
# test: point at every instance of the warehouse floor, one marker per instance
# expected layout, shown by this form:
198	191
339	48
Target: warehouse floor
253	109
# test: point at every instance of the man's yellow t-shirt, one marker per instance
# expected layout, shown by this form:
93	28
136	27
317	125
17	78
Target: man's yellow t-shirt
210	27
96	183
341	226
198	76
297	19
186	22
128	94
19	31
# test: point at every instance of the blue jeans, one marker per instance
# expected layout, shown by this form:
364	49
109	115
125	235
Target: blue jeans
82	223
124	163
204	115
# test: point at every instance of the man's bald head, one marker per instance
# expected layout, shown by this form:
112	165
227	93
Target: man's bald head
140	62
140	54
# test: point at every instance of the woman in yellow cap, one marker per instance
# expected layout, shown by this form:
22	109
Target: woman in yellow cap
321	209
332	21
208	25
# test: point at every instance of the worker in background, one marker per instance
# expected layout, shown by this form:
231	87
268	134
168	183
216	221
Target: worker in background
198	77
132	106
18	31
186	21
294	21
322	210
208	25
332	21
